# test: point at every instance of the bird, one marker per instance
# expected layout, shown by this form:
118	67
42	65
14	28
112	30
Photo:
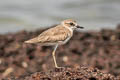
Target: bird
56	36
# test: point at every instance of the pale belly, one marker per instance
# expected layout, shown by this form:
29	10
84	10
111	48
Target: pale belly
55	43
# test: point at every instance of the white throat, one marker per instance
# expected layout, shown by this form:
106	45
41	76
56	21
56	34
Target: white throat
68	28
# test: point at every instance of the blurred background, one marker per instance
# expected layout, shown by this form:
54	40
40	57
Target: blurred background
17	15
98	49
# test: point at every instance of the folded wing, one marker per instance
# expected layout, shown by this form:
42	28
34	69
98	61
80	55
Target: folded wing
52	35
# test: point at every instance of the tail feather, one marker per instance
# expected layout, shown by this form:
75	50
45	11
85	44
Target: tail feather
34	40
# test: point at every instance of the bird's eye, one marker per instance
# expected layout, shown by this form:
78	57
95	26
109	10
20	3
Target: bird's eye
71	24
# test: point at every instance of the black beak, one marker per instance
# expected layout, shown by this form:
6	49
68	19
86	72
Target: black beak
80	27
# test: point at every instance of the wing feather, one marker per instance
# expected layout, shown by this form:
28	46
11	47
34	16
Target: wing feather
52	35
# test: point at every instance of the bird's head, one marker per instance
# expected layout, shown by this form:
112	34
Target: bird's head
71	24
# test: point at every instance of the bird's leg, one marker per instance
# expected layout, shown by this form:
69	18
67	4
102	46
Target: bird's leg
53	54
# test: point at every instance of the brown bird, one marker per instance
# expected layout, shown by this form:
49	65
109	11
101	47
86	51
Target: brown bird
57	35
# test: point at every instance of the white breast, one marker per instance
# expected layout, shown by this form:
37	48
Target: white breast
65	41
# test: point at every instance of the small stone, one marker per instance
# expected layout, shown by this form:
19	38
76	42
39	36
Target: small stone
65	58
24	64
8	71
113	37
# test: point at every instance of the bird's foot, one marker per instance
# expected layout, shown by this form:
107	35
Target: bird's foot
58	69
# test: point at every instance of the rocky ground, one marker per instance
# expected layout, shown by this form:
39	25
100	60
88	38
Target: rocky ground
82	73
101	50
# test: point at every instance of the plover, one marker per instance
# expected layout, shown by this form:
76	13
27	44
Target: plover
57	35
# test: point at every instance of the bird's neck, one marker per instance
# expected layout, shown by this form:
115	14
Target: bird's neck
70	29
